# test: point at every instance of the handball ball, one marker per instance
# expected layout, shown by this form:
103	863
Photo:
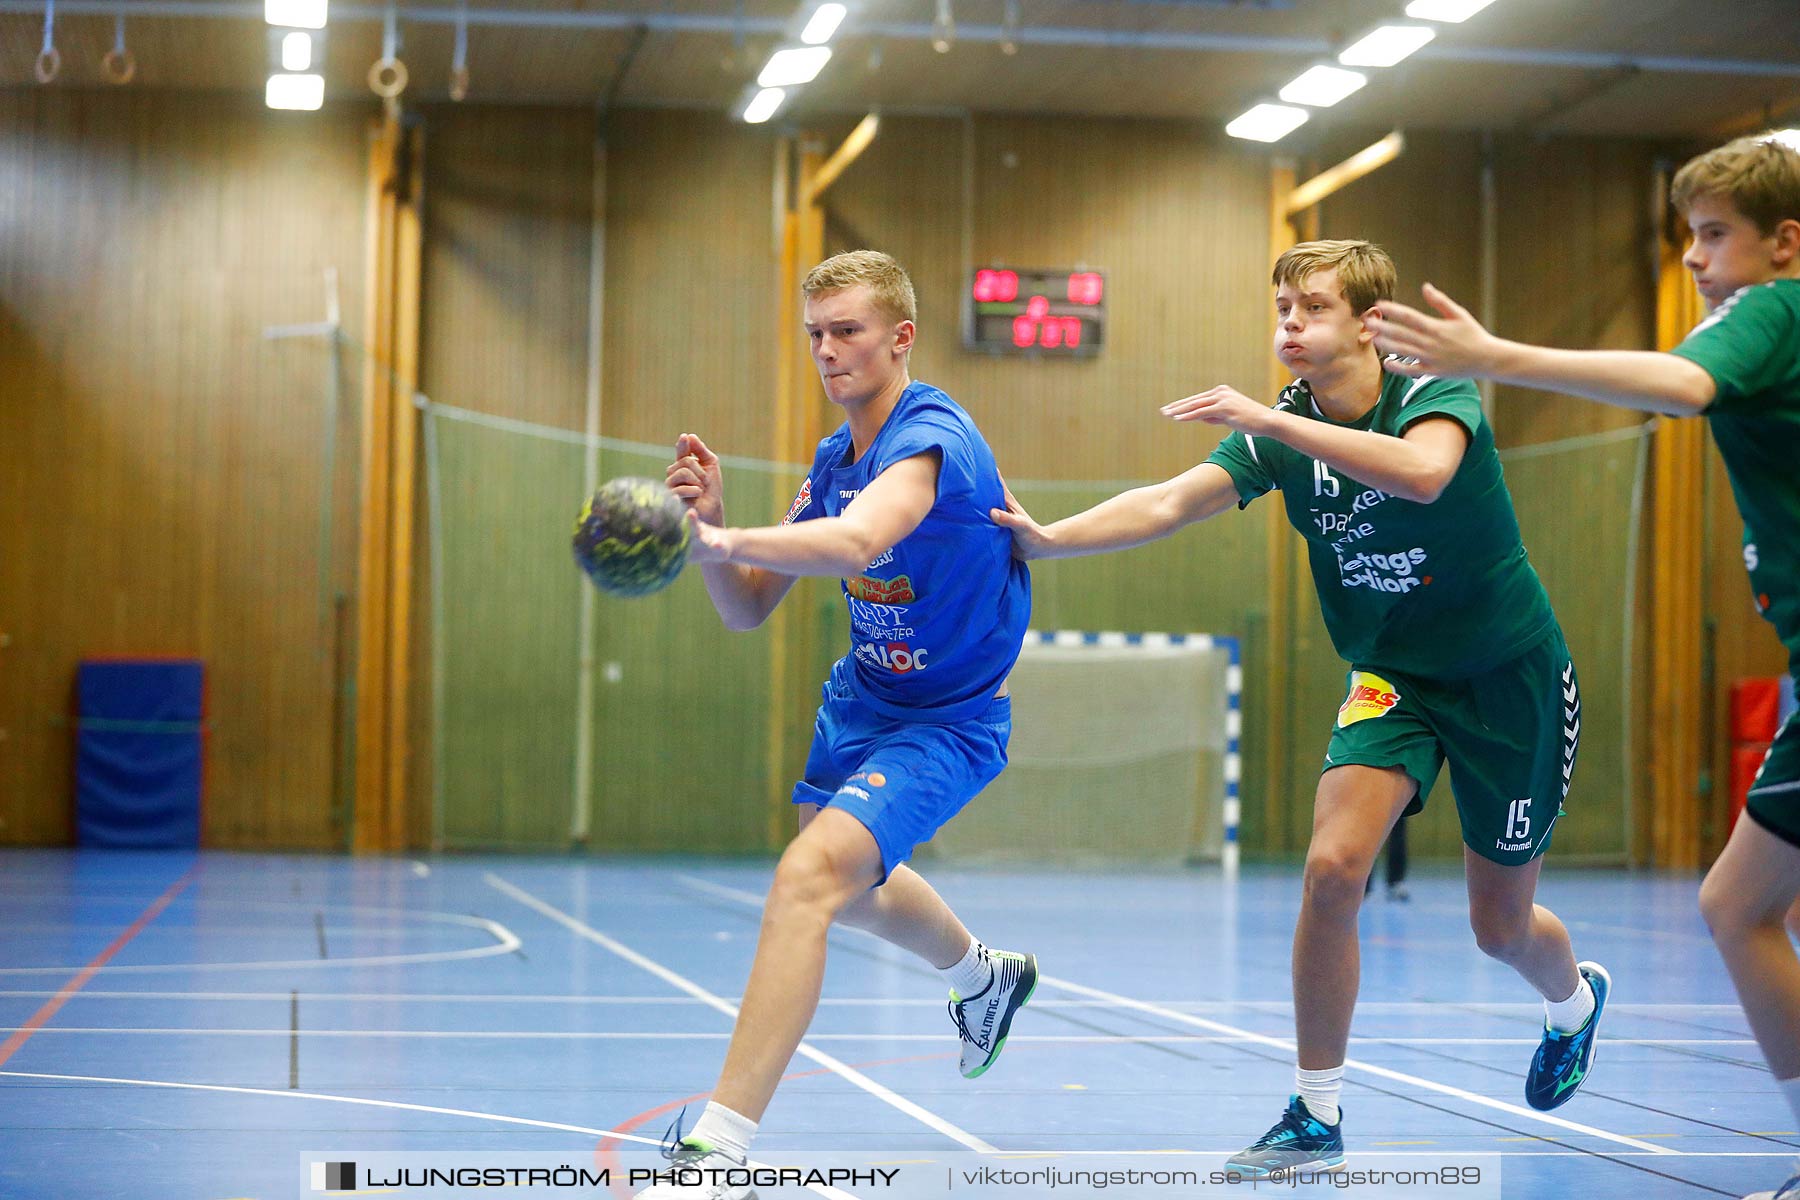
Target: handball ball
632	537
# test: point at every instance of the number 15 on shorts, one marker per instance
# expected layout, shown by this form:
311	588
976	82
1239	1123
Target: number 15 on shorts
1518	821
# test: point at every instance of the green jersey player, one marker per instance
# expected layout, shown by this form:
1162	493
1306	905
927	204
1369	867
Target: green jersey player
1454	654
1740	369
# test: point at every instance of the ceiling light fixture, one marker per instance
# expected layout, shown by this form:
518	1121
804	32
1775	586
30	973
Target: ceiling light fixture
762	106
1450	12
824	22
1322	87
295	14
302	92
1386	45
1267	123
794	66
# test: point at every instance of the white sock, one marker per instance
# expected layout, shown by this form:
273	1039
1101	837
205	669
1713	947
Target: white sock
1791	1089
1568	1016
725	1130
970	974
1320	1091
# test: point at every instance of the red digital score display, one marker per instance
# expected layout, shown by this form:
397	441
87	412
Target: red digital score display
1059	313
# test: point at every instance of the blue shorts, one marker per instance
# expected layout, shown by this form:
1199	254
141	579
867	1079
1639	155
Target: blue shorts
903	780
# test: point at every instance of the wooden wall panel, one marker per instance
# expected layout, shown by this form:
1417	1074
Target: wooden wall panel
1424	209
163	460
507	201
690	280
1577	268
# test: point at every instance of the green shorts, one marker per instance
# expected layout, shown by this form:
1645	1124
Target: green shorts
1509	734
1775	795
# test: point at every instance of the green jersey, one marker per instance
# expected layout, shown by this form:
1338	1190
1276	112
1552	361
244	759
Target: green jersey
1750	345
1439	590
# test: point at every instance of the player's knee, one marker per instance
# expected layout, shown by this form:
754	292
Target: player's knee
806	881
1728	909
1715	904
1334	880
1501	935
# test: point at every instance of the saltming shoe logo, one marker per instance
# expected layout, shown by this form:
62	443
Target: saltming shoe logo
1370	696
334	1177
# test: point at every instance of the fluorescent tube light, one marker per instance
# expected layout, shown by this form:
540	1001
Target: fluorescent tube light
1450	12
794	66
295	14
1267	123
303	92
823	23
1322	87
763	105
296	51
1386	46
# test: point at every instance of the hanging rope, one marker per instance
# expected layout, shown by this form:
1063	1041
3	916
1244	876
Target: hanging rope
49	59
459	58
120	64
387	78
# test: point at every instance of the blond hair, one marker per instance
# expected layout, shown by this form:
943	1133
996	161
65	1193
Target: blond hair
886	280
1760	176
1365	272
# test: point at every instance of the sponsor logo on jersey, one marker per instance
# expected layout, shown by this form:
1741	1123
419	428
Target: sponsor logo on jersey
799	504
898	590
1370	696
872	778
897	657
1384	572
867	616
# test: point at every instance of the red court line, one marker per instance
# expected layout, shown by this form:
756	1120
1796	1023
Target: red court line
43	1015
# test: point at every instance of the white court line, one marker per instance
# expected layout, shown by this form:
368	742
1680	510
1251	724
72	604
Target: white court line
362	1100
830	1193
1165	1039
1372	1008
505	943
681	983
1286	1047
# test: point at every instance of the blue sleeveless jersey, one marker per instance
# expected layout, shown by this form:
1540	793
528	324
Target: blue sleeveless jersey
935	621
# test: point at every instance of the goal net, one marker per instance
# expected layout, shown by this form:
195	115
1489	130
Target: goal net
1124	751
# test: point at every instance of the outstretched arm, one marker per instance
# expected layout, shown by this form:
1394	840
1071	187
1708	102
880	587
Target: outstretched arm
1128	519
1455	344
1416	466
888	509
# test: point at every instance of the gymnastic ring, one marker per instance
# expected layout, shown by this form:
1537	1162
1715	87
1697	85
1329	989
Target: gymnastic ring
387	78
459	83
48	64
119	66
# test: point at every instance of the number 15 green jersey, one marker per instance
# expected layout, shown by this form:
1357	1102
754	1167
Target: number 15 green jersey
1441	590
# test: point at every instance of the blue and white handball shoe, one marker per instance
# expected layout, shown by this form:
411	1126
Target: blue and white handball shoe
1563	1060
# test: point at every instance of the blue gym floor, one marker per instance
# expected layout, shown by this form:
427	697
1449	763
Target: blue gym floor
181	1028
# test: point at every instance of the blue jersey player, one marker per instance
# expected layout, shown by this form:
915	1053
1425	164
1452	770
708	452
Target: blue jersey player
915	718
